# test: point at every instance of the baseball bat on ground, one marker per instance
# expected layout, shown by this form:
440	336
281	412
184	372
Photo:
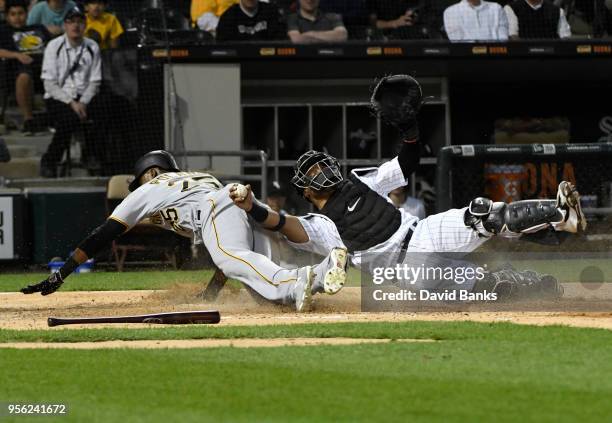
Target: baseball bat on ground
178	318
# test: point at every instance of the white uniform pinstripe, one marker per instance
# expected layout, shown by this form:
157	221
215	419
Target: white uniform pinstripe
197	206
443	232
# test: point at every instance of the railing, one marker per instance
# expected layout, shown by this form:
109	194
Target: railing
262	163
260	154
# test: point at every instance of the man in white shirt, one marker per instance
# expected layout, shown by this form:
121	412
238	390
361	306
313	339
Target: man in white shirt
471	20
72	74
536	19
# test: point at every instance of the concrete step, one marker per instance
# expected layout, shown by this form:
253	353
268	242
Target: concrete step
38	142
21	168
23	151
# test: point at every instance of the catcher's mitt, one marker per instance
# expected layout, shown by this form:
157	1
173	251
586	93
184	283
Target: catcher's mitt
396	100
510	284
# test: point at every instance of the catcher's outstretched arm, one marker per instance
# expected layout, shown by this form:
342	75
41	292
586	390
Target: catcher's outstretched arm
409	157
290	226
98	239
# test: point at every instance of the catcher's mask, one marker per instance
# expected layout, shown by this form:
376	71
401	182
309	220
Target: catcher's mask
328	177
157	158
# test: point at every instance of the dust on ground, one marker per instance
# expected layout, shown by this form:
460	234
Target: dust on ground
205	343
238	307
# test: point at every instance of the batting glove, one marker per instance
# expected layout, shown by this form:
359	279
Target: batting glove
46	287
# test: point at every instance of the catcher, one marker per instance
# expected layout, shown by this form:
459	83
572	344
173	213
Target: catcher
356	212
196	205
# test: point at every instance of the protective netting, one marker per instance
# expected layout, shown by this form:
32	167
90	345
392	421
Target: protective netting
511	173
521	179
126	118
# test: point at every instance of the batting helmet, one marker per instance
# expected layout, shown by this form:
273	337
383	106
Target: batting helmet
157	158
327	178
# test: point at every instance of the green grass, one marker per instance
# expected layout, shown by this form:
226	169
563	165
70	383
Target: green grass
382	330
110	281
479	372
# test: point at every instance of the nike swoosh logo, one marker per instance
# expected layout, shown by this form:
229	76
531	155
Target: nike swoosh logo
351	208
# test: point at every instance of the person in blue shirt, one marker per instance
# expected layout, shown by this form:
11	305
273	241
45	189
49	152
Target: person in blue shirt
51	14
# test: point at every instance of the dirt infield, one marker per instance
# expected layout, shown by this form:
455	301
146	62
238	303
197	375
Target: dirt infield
20	312
205	343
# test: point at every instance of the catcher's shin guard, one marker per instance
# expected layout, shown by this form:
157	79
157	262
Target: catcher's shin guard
490	218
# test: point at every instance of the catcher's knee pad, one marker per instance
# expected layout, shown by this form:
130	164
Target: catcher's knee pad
490	218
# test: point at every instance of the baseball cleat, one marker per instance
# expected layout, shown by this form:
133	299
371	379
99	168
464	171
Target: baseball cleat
568	199
335	278
303	287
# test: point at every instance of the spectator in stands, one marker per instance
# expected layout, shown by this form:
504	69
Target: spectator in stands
475	20
22	45
536	19
311	25
354	15
3	8
205	13
251	20
51	14
401	19
72	74
587	18
102	27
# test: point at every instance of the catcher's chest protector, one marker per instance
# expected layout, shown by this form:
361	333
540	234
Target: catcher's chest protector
363	218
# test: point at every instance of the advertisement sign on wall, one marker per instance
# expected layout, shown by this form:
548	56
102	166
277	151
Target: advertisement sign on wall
6	228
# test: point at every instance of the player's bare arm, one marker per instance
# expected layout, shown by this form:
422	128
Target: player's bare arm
288	225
